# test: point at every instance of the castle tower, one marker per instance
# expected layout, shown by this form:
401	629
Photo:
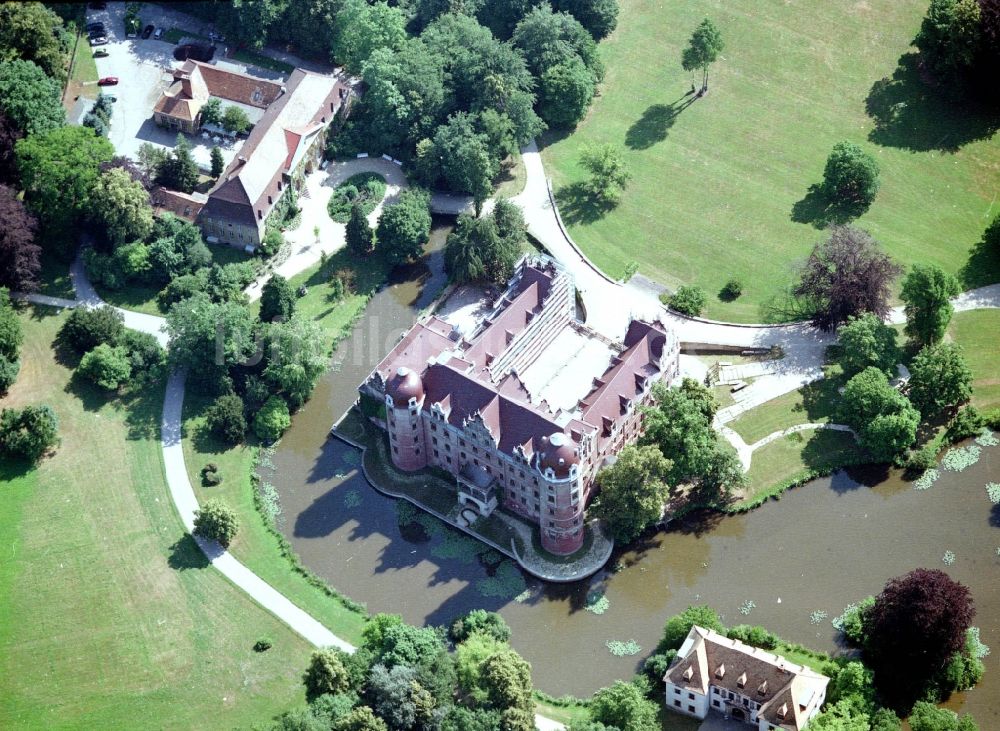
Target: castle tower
404	399
561	516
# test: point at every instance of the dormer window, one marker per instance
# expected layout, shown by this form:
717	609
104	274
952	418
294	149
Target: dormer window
783	710
257	96
720	672
762	688
742	680
689	673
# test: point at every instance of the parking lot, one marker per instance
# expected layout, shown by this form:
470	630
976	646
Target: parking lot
140	65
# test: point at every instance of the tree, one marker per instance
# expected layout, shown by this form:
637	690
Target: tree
20	255
633	491
480	621
867	341
927	292
883	419
297	356
678	626
59	169
28	433
206	335
940	378
608	172
249	21
361	719
325	674
564	93
277	299
546	39
360	237
844	715
928	717
32	32
135	172
688	300
178	170
360	29
272	420
121	207
86	328
218	164
506	678
211	112
29	98
9	135
884	719
391	693
404	227
950	35
216	521
702	50
624	706
915	626
853	680
475	251
845	276
235	120
599	17
106	365
465	160
11	333
150	159
851	175
226	420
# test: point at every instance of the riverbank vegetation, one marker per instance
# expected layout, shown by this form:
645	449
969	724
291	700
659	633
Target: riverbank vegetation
762	159
101	593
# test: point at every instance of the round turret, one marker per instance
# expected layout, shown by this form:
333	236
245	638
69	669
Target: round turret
559	454
404	385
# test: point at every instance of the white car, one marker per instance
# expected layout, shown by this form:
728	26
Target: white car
158	34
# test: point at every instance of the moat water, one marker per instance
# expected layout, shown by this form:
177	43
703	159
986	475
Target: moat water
821	546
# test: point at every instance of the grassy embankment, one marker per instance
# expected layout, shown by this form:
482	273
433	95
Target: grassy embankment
720	187
109	616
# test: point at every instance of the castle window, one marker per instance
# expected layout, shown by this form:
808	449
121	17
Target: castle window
447	446
691	696
476	462
461	442
552	524
395	449
436	453
690	709
434	427
269	201
260	215
552	499
435	441
677	703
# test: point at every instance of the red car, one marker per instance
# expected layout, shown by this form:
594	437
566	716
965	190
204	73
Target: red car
108	81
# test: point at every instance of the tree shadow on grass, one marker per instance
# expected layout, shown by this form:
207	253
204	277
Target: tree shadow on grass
786	307
654	124
912	113
11	469
819	210
185	554
983	266
578	206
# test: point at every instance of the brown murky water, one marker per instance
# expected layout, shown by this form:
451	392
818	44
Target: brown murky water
821	546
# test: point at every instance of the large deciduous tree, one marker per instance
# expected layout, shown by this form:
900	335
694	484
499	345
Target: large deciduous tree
624	706
475	251
216	521
359	235
326	673
608	172
249	21
207	335
916	625
28	433
277	299
464	158
927	292
702	50
950	35
600	17
362	28
86	328
106	365
121	207
940	378
9	135
867	341
29	98
178	170
846	275
32	32
20	254
59	170
883	419
404	227
851	176
633	491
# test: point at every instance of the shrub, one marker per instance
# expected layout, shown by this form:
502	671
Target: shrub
480	621
107	366
272	420
967	423
656	666
8	373
87	328
210	475
226	420
184	286
145	354
919	460
678	626
731	290
262	645
11	334
688	300
756	636
325	674
216	521
365	190
28	433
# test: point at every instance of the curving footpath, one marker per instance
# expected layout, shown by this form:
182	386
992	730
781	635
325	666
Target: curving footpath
745	451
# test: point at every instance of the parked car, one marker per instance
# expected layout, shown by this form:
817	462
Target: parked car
95	26
158	34
108	81
96	33
98	41
213	36
198	51
100	53
98	6
147	31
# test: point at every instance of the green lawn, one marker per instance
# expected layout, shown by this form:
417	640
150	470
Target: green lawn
813	403
109	616
976	332
718	185
83	72
793	457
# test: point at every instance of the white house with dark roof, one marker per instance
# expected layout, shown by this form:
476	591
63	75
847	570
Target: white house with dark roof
713	672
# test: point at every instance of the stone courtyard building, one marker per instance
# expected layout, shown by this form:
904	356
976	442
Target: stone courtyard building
766	691
527	407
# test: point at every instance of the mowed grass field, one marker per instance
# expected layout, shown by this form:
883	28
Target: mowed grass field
109	616
716	183
977	332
